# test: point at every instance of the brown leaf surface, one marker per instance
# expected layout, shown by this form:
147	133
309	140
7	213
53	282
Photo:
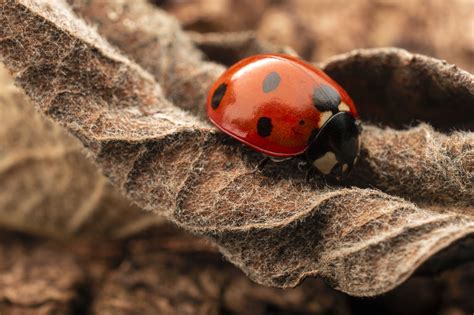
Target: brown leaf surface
169	271
28	284
397	88
48	186
228	48
175	276
319	29
272	224
163	271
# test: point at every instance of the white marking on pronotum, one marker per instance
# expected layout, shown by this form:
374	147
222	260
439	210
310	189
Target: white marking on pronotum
343	107
323	118
344	167
325	163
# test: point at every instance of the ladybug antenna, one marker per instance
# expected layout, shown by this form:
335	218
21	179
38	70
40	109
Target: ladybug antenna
334	149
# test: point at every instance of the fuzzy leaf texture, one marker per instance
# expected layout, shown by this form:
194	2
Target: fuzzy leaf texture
410	197
48	186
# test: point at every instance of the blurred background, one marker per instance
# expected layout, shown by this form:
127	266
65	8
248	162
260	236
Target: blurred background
112	258
319	29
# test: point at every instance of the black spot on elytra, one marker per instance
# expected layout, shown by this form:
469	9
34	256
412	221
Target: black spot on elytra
326	98
264	127
301	122
218	95
271	82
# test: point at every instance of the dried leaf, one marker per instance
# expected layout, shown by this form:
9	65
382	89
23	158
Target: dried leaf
174	280
397	88
272	224
318	29
164	271
158	44
123	277
448	294
228	48
28	284
206	16
48	186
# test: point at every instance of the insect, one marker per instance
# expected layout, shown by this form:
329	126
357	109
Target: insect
284	107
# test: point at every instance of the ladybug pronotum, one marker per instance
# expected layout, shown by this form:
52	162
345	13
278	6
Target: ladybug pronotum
284	107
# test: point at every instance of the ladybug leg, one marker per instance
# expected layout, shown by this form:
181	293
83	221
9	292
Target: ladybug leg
261	164
303	165
310	173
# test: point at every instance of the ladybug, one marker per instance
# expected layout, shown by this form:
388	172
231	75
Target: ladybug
284	107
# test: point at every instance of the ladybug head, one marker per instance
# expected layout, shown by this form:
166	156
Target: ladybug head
334	149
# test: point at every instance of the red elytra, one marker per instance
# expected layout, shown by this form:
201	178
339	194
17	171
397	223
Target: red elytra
274	103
